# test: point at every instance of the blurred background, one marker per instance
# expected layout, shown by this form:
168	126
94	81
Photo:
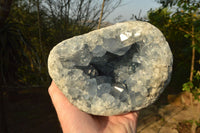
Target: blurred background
29	29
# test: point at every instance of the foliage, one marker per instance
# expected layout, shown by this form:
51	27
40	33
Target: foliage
160	18
197	123
194	86
166	3
15	52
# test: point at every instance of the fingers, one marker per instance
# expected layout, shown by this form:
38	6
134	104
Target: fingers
64	108
58	98
53	89
71	118
60	102
132	115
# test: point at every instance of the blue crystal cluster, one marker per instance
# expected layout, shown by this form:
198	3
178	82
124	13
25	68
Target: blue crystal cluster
114	70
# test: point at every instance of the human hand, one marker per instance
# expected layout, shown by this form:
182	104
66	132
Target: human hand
73	120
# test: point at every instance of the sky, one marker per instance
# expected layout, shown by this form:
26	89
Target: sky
129	7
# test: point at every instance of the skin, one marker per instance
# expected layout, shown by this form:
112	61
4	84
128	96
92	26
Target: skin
73	120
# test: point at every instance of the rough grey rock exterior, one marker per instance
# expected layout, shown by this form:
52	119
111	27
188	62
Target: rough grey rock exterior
114	70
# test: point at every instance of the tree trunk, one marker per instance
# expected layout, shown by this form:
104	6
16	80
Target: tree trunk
192	62
101	15
193	55
39	24
39	32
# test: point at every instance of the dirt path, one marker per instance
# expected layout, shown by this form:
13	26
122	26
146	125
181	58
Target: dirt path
169	119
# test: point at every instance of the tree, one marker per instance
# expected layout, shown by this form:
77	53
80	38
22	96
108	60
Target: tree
83	12
14	50
6	48
189	19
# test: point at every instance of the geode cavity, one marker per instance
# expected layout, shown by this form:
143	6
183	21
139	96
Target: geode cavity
114	70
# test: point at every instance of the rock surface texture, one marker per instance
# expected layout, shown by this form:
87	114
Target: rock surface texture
114	70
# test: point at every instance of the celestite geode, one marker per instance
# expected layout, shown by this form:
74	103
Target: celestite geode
114	70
